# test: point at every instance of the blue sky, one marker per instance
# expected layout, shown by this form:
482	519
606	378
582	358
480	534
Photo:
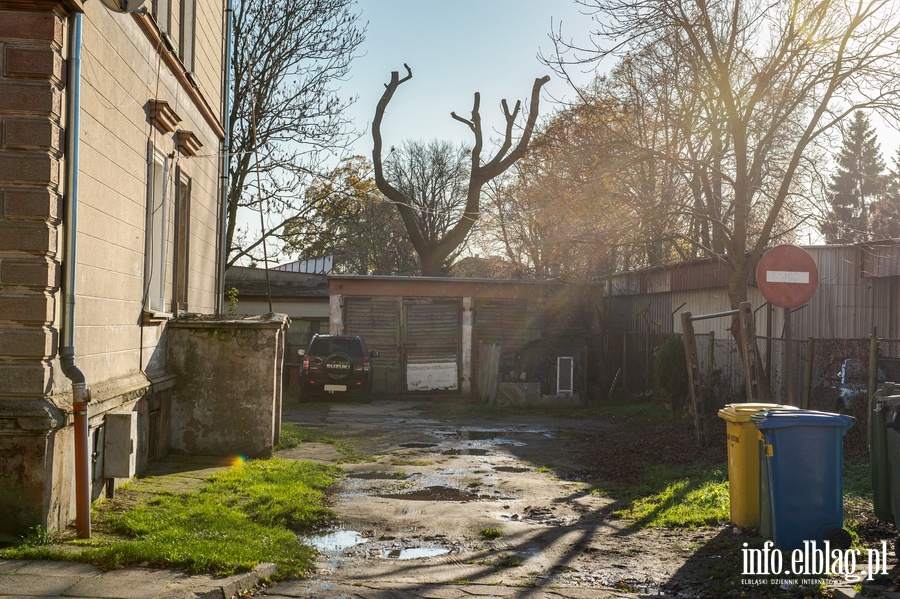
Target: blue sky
454	49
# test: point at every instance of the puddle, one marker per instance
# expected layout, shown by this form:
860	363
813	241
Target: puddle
436	493
416	552
418	445
466	451
538	516
480	434
338	540
511	469
378	475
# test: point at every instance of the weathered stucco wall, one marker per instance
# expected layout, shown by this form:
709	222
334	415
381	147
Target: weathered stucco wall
227	400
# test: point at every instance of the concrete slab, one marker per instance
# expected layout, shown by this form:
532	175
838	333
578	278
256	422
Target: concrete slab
391	590
11	565
131	583
36	585
58	569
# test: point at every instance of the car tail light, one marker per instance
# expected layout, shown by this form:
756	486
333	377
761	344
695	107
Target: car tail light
366	366
306	363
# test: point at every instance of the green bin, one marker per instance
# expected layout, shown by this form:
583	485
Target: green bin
884	452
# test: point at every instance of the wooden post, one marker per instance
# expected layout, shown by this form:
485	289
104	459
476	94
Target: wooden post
693	366
807	374
749	353
873	362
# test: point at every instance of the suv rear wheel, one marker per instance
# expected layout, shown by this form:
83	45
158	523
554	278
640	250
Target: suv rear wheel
338	366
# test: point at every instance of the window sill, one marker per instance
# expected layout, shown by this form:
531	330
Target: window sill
152	317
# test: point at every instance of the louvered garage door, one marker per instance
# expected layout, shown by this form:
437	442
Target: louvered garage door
507	322
432	344
377	321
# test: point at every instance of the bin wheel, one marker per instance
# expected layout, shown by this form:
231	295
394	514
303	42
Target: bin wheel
839	538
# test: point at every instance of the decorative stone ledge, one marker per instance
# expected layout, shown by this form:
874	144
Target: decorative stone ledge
187	143
161	116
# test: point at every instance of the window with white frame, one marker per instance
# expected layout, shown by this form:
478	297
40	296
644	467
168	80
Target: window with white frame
157	232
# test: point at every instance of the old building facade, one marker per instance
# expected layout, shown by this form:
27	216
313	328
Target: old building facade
110	137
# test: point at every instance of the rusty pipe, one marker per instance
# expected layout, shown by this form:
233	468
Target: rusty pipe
81	398
81	395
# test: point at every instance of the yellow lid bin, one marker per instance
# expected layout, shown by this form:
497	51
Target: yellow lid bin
743	460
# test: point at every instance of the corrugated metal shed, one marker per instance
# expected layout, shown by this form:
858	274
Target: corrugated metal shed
859	289
700	275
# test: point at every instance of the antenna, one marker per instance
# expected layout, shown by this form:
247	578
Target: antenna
123	6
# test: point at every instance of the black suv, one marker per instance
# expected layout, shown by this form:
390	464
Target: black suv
336	365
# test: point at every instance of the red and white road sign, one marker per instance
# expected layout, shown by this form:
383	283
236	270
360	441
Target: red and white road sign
787	276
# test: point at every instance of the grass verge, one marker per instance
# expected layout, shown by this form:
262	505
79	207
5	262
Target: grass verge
674	497
246	515
293	435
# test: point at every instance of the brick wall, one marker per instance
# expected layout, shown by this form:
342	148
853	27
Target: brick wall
31	148
32	72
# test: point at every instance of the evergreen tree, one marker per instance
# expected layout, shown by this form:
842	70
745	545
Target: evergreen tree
859	182
885	213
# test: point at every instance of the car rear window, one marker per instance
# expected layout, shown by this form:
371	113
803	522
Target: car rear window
324	346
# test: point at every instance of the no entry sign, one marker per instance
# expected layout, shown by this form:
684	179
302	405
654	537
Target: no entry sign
787	276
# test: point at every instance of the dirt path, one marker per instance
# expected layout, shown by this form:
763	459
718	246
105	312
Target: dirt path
475	508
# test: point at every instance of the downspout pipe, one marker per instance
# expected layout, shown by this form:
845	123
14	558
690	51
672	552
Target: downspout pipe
225	176
81	394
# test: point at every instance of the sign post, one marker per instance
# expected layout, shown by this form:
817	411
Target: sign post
788	277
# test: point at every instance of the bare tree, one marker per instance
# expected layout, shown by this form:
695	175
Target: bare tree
286	117
433	253
433	176
766	81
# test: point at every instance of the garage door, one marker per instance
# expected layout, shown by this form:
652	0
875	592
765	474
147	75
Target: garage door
431	343
377	321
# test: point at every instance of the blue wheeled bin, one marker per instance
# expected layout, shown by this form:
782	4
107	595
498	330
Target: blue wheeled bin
803	452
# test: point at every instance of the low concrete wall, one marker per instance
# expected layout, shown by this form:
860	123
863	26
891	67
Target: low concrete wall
227	400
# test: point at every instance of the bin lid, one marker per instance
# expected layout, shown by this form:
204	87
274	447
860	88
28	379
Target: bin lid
768	419
741	412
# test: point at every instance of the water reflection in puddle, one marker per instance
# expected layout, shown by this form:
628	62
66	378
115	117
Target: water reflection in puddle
416	552
335	541
466	451
481	434
435	493
510	469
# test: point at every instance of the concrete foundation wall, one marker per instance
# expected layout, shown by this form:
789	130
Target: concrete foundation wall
227	399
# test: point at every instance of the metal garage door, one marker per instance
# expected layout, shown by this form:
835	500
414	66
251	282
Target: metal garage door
377	321
431	343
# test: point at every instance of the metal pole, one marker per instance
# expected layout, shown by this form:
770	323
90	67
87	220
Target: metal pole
788	375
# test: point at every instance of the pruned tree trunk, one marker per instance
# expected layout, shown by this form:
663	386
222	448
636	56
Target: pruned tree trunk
433	253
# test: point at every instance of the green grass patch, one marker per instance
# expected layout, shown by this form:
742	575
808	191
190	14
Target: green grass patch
239	518
677	498
293	435
857	477
491	533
